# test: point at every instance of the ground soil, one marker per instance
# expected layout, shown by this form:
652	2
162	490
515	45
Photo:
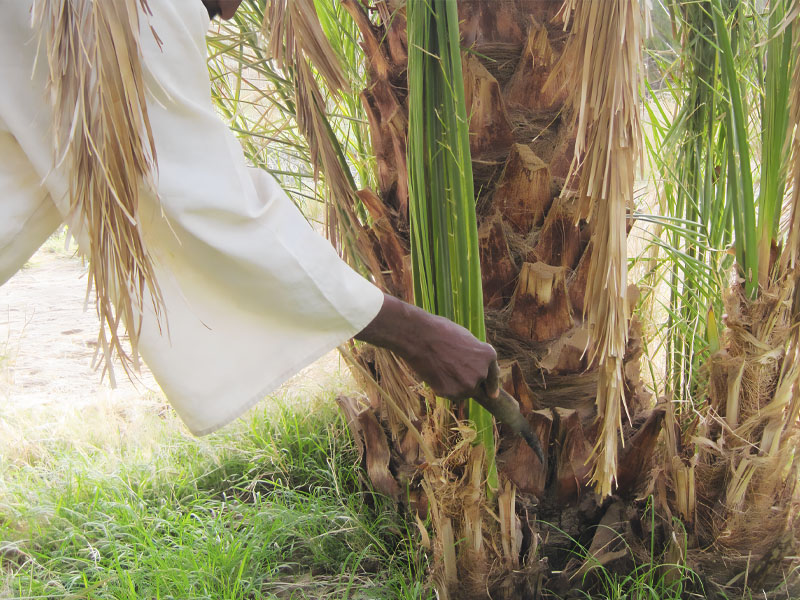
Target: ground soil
48	339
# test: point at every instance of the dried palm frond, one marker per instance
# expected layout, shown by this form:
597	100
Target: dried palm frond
102	137
293	29
296	41
604	50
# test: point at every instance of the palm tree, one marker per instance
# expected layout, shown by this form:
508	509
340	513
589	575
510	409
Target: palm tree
535	220
726	162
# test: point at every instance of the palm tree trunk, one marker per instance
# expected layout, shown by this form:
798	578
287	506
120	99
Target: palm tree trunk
535	255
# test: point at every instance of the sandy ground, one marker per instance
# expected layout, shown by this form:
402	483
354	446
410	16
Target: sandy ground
48	340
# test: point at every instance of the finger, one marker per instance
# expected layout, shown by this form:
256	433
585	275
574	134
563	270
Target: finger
492	382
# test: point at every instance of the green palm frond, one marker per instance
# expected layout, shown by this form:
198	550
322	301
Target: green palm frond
444	236
721	155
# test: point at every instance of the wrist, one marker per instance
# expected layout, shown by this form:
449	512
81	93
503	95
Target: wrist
397	327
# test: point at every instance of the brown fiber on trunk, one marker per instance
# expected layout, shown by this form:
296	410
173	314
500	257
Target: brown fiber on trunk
388	243
498	281
559	242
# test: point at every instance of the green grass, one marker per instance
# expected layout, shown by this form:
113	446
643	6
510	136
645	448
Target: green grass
274	507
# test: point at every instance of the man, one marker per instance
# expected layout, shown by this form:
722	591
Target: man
243	293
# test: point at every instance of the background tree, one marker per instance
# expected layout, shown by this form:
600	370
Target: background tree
727	156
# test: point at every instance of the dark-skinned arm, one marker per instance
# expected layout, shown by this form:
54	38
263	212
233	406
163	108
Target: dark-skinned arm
445	355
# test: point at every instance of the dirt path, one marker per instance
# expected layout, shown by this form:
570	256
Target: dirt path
47	339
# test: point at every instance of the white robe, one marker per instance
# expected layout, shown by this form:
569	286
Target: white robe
252	293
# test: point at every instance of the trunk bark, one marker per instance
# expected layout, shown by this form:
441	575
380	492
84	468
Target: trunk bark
534	254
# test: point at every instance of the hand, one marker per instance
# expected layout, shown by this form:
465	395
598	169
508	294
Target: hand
451	360
445	355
